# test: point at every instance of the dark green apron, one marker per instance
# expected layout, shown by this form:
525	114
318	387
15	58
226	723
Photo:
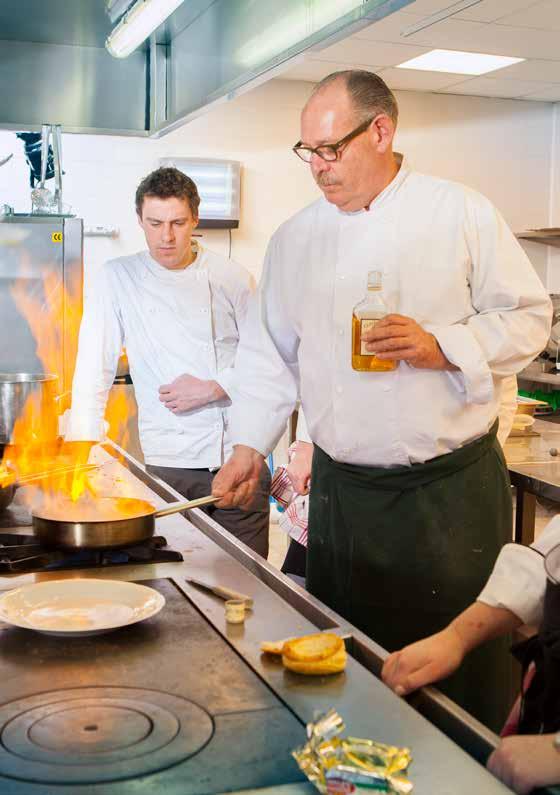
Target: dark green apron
400	552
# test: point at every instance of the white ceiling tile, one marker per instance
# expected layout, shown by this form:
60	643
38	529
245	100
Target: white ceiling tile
546	71
451	34
496	39
551	94
389	28
316	70
501	39
544	14
416	80
495	87
353	51
427	7
490	10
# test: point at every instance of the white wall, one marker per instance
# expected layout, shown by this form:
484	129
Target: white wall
500	147
553	280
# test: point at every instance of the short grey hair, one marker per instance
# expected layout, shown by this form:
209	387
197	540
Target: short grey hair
370	95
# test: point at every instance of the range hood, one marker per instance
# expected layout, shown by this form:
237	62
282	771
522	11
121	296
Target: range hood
54	65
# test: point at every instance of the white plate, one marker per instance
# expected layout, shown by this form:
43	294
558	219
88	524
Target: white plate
79	607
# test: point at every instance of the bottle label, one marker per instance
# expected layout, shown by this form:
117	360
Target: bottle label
366	325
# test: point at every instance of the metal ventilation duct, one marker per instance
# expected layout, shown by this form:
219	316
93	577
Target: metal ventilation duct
54	66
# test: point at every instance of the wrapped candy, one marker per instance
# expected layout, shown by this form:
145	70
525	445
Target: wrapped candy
336	764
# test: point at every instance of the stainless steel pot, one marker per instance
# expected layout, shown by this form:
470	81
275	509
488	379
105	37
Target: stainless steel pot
15	389
105	534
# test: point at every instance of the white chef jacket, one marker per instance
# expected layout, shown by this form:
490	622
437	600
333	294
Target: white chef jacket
518	580
450	262
507	407
171	322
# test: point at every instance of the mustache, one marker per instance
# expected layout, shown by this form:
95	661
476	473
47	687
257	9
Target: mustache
324	180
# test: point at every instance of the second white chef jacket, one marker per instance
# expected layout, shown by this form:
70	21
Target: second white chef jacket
450	262
518	581
171	322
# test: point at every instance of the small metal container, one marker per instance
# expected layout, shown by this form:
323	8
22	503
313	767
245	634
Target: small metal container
235	611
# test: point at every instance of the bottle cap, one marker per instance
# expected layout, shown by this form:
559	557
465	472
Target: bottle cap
374	280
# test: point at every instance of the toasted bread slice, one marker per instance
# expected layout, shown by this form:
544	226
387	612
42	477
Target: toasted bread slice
273	646
331	665
312	648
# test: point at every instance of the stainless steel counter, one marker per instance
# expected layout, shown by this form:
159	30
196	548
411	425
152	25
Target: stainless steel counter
532	373
534	471
282	609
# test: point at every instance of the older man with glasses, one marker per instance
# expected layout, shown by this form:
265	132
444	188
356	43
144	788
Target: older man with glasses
410	499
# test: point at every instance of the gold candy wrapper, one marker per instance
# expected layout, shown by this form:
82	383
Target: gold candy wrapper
337	764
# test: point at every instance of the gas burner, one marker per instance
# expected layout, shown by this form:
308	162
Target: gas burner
91	735
21	553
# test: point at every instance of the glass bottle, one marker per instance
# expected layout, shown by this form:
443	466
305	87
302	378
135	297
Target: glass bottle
369	311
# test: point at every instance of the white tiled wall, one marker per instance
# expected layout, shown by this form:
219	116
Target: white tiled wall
501	147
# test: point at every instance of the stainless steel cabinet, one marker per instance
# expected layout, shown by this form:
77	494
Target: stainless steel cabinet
41	278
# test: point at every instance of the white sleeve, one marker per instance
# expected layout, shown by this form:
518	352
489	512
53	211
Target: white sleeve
507	408
518	581
302	432
265	388
99	346
241	287
513	311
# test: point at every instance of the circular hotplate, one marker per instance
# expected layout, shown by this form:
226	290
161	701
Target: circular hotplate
98	734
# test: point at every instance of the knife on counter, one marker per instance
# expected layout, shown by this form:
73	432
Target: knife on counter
223	593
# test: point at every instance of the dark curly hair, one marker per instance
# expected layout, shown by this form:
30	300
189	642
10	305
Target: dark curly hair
167	183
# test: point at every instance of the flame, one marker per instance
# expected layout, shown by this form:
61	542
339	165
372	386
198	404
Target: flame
53	314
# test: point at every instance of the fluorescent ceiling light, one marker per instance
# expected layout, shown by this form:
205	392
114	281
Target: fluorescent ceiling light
461	63
144	17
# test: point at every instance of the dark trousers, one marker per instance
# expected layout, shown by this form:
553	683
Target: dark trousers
295	560
251	527
401	552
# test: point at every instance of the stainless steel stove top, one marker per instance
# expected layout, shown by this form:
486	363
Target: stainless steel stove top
21	554
167	702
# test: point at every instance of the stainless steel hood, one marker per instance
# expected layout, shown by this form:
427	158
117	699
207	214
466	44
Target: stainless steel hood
54	67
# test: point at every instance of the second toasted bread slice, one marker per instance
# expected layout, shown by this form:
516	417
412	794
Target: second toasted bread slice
312	648
331	665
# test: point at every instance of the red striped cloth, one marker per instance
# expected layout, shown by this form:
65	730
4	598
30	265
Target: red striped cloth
294	519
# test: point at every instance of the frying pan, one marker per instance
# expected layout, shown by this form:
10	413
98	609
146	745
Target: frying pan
108	533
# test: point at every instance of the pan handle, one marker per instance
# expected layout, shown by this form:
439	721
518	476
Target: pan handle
176	507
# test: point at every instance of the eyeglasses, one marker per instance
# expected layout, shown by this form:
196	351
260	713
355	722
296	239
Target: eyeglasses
329	152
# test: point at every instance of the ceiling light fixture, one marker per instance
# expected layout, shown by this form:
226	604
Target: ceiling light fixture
457	62
137	24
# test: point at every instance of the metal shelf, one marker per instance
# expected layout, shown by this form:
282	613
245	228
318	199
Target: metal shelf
540	377
550	237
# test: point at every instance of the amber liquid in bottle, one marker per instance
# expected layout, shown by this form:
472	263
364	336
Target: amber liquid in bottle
365	315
